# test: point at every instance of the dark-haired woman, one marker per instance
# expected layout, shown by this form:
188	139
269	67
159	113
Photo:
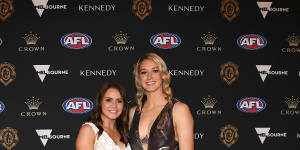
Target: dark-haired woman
107	126
158	122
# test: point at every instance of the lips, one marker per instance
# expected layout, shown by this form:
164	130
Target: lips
150	83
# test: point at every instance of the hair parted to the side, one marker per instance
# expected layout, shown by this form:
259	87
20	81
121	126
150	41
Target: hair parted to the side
163	72
122	120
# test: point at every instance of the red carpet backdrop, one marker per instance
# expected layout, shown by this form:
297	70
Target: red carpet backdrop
235	63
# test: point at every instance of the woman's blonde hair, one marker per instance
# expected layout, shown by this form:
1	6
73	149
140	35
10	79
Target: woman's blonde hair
162	67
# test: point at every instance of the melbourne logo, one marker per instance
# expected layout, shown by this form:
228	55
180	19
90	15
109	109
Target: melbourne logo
142	8
41	5
76	40
251	42
229	72
263	133
264	70
251	105
33	105
292	104
6	9
45	135
265	7
165	40
9	137
2	106
121	39
230	9
77	105
31	40
7	73
229	135
209	40
293	41
43	70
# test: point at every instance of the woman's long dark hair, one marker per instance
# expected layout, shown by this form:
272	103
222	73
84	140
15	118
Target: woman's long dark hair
122	120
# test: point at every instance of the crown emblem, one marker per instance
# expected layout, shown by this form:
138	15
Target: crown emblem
33	103
209	102
209	38
31	38
293	39
292	102
121	38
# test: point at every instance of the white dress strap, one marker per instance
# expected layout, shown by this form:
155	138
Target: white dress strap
95	129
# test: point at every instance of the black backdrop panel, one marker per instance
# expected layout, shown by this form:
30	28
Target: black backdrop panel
194	66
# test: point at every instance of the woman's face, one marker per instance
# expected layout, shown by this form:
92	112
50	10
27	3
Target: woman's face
112	104
150	76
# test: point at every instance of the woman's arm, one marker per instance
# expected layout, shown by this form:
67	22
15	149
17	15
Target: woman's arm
86	138
184	126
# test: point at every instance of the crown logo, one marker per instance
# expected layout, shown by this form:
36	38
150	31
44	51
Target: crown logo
293	39
121	38
31	38
292	102
209	38
209	102
33	103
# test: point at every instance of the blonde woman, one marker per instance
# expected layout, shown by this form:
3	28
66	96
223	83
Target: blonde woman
158	122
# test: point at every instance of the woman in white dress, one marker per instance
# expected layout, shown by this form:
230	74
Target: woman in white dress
107	126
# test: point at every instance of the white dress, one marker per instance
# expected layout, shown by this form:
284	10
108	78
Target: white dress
104	142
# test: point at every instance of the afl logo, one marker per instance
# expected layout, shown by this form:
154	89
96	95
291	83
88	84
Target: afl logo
0	41
2	106
165	40
251	42
251	105
77	105
76	41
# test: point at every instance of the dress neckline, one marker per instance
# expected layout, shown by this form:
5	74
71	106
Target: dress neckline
155	122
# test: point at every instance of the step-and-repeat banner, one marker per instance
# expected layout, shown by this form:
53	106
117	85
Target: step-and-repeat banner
234	63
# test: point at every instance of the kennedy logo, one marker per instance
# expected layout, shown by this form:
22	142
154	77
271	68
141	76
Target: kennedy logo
6	9
186	8
43	70
265	7
96	8
45	135
293	41
263	133
186	72
41	5
264	70
198	136
98	72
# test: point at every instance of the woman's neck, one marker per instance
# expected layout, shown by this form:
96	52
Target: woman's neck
155	99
